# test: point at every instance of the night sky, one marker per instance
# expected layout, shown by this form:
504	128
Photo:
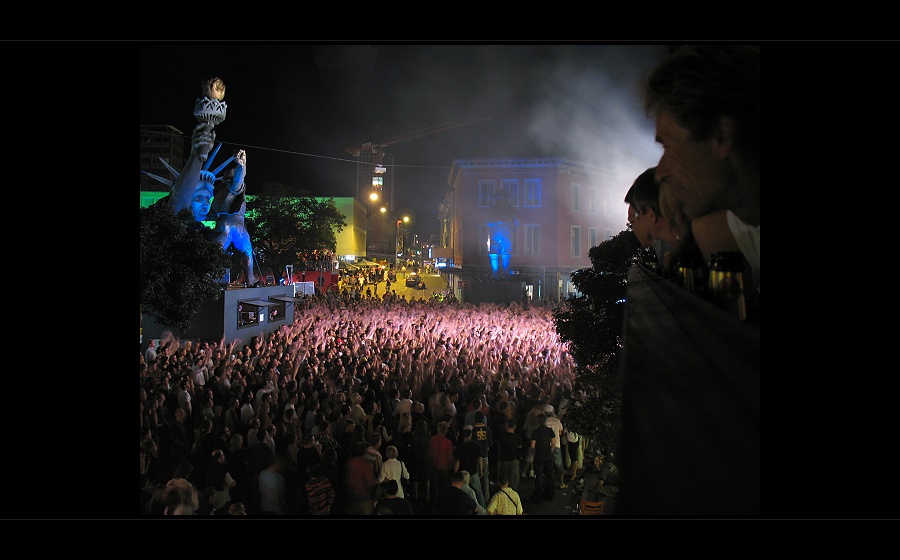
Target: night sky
295	107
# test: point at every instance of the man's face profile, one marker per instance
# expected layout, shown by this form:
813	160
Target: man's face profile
689	167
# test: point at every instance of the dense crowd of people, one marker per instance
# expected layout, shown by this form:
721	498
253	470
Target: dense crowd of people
300	421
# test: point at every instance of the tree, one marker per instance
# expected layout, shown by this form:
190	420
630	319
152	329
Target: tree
591	322
181	265
280	227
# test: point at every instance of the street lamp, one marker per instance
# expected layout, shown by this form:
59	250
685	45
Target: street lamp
405	220
397	246
370	221
385	245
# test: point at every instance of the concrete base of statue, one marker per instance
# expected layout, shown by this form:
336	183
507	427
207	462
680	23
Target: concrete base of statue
238	313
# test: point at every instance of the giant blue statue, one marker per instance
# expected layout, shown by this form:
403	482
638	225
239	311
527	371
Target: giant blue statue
503	231
195	188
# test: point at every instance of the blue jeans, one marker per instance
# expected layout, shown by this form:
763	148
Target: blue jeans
556	457
475	484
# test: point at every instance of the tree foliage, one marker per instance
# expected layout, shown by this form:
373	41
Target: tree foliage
180	265
591	322
280	227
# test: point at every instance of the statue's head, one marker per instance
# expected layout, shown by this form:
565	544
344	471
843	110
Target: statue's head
202	198
203	194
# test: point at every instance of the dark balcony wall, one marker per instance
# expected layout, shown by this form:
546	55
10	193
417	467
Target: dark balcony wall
691	405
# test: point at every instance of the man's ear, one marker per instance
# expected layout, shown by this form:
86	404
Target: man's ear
723	138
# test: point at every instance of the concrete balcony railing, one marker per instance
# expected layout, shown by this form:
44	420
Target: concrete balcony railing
691	404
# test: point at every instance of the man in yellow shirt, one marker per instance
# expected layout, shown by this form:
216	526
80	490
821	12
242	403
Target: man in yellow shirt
505	501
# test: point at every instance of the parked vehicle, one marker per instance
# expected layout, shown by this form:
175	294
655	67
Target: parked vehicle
413	280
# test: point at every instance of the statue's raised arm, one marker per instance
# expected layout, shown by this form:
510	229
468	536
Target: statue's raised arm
189	190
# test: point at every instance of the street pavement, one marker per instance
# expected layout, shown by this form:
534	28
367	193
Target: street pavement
433	283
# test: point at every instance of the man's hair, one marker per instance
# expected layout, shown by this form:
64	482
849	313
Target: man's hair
467	477
697	84
390	487
237	508
458	476
176	497
644	192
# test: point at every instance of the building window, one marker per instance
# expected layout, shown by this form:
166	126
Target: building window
592	237
532	239
485	193
248	314
254	311
604	201
532	193
511	187
277	312
593	200
576	241
576	197
607	234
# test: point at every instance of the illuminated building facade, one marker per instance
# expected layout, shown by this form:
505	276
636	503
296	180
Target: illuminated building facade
558	210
